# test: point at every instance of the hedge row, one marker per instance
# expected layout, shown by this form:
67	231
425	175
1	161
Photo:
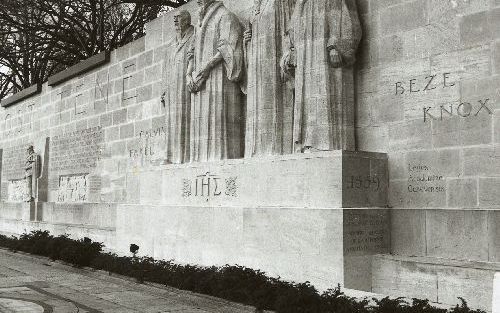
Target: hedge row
233	283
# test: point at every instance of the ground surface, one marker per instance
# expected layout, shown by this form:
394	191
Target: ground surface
32	284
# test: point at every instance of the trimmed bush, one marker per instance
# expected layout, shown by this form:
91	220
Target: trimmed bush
77	252
233	283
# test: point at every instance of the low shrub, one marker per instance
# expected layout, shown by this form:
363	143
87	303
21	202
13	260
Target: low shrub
233	283
77	252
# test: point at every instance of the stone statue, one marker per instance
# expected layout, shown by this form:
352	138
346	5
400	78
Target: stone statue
32	173
267	93
214	73
176	97
324	36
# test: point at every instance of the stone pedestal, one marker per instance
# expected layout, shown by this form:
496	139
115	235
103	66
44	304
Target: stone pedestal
310	217
336	179
28	211
31	211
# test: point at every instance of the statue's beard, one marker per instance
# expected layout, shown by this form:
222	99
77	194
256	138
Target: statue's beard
203	10
257	4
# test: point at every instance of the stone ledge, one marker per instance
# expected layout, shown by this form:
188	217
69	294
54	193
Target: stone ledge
21	95
274	159
478	265
437	279
80	68
371	297
335	179
68	225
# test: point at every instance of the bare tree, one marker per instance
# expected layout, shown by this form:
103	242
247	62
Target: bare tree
40	38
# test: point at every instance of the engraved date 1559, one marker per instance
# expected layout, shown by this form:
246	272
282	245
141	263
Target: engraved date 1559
362	182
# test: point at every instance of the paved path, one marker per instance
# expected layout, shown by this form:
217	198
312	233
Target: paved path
32	284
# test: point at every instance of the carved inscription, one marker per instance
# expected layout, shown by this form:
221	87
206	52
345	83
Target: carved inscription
463	109
20	121
151	145
367	183
95	184
13	162
128	83
210	186
101	91
422	179
78	151
73	188
80	107
365	232
431	82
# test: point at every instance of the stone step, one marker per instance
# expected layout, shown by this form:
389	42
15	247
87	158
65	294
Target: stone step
437	279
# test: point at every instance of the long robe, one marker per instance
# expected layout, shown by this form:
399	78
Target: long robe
32	173
216	110
268	101
324	96
178	99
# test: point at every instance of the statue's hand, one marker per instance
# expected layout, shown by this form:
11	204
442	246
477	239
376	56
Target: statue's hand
190	54
190	84
203	74
288	63
201	77
335	58
247	36
162	99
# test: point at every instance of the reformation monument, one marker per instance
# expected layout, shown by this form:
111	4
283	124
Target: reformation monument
316	57
331	141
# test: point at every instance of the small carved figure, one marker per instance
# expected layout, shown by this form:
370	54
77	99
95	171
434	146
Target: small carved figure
32	173
177	98
324	36
214	76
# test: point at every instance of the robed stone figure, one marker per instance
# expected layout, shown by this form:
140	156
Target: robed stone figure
32	173
176	97
216	69
324	36
268	99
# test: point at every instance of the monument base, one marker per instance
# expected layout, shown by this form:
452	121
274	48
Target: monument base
315	217
32	211
324	246
96	221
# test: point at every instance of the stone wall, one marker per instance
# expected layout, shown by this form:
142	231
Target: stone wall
428	94
427	86
427	83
